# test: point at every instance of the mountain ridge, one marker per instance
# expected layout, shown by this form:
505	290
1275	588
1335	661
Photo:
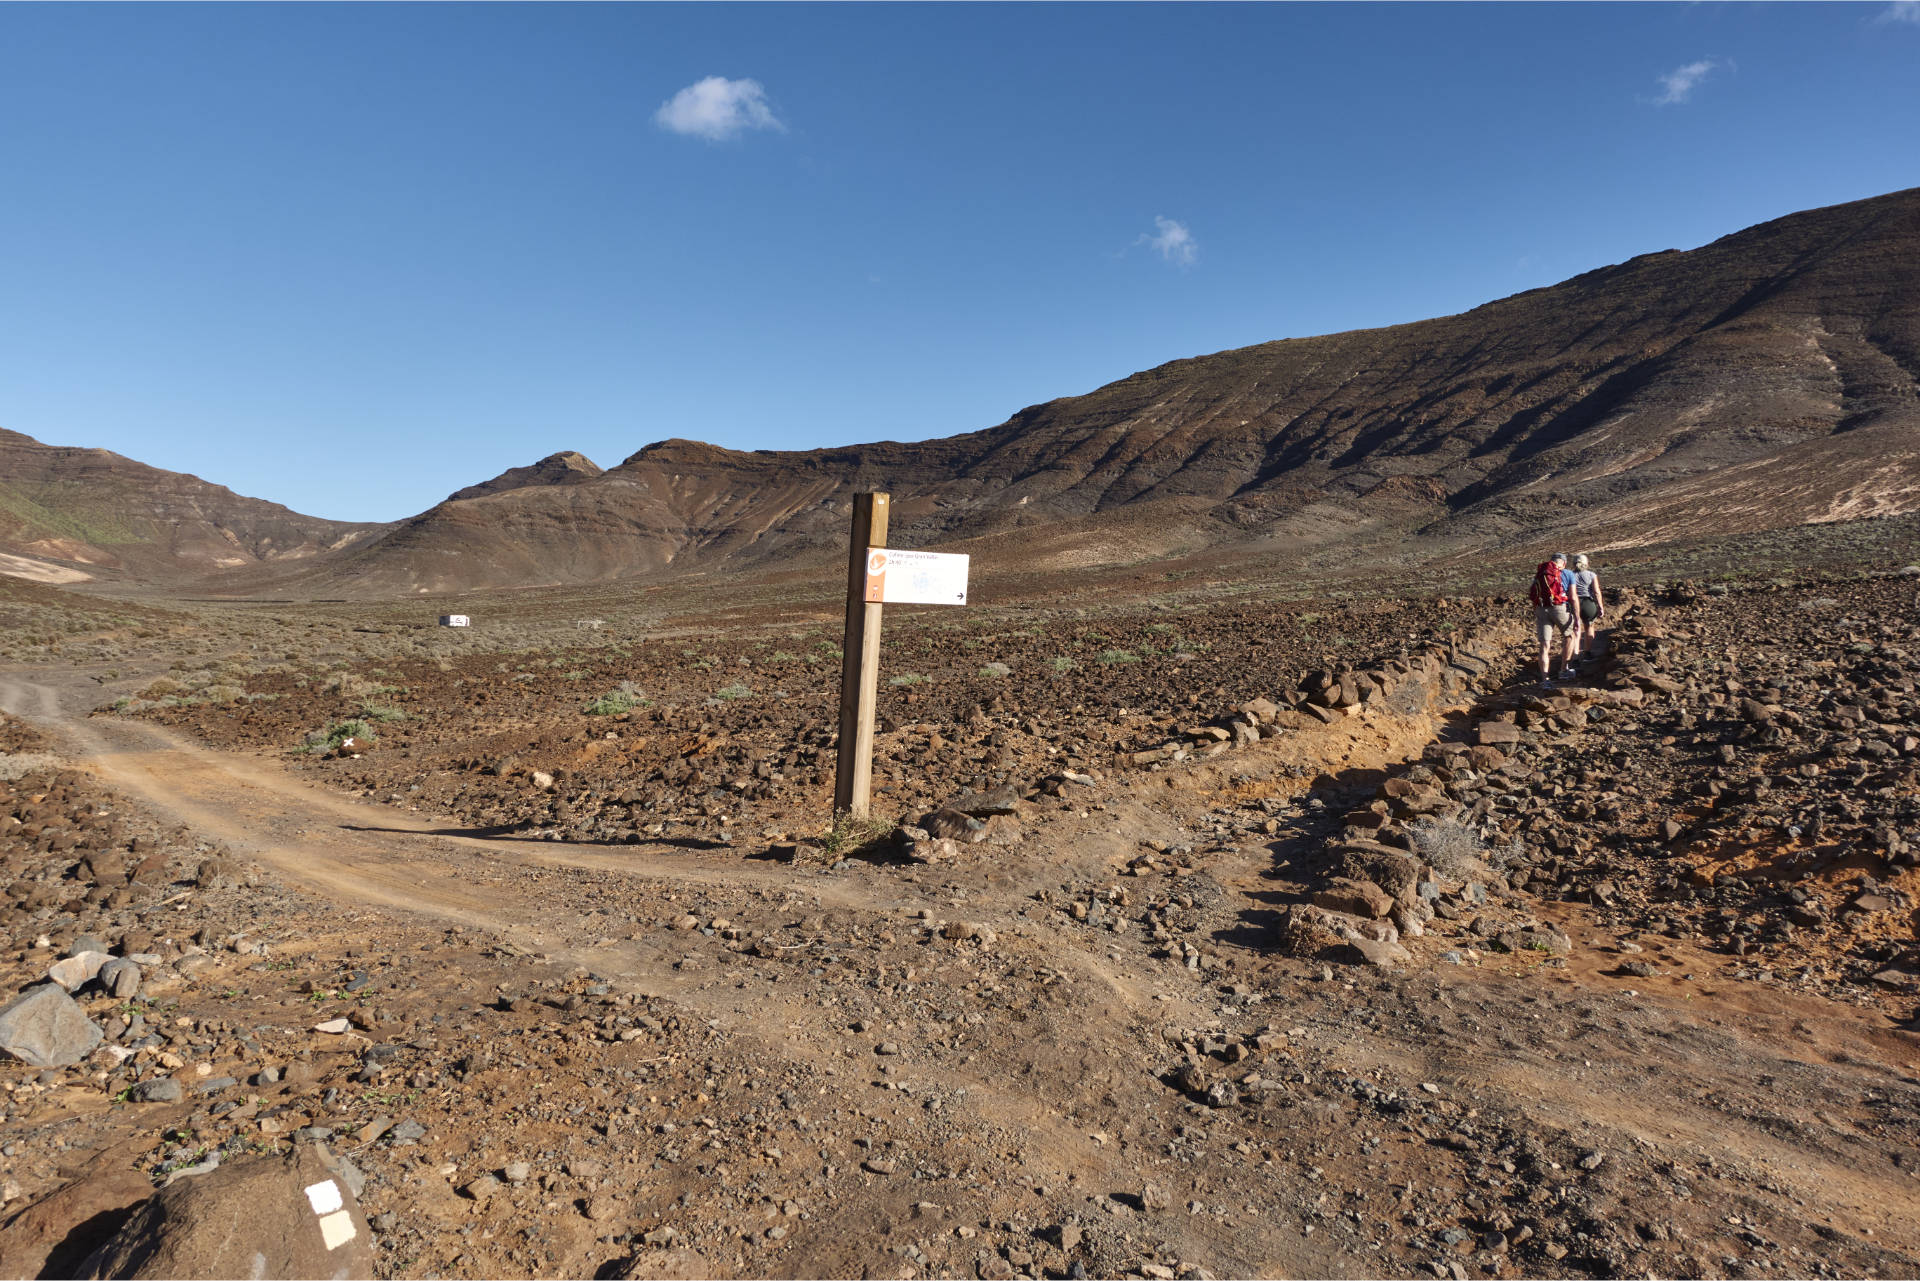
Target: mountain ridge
1770	377
1566	405
72	513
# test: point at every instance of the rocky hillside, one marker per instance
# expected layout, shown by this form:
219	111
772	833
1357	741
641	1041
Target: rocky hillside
1766	379
69	514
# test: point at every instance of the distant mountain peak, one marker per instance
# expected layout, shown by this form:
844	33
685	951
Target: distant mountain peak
568	467
678	449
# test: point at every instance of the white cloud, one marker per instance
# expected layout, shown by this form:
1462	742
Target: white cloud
1172	241
1901	11
717	109
1678	85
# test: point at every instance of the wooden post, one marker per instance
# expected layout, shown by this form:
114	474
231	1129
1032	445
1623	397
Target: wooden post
860	663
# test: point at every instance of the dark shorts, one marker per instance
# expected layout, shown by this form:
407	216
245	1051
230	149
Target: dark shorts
1589	609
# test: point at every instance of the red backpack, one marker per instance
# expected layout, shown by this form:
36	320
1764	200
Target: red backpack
1549	588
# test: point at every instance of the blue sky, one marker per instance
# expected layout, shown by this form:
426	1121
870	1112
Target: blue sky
351	258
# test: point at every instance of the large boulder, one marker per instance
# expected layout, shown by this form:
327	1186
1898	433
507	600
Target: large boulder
1395	871
1354	898
78	970
120	978
1382	954
46	1028
278	1217
53	1236
1000	800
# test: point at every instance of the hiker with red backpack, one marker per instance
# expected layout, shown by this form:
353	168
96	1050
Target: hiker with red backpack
1553	611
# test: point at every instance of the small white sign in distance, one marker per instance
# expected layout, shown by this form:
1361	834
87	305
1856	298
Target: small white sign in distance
896	577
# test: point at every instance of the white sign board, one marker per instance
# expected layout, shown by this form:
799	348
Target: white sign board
896	577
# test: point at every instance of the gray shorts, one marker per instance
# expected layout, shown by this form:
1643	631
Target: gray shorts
1551	619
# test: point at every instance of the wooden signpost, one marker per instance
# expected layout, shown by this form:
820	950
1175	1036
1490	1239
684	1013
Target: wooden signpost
878	575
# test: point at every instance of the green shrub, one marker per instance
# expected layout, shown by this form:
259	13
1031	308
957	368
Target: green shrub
733	691
1112	656
623	698
905	679
330	738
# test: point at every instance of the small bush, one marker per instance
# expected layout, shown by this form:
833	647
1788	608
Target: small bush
1456	850
615	701
1112	656
733	691
384	715
330	738
849	834
1062	664
905	679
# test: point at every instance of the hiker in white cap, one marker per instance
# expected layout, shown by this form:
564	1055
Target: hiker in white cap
1590	604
